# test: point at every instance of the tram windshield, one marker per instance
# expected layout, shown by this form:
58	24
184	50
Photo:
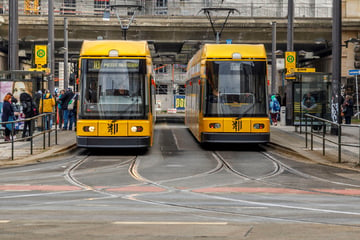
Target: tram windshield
236	89
113	89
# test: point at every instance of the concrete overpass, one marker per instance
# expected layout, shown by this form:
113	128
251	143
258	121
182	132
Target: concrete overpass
172	38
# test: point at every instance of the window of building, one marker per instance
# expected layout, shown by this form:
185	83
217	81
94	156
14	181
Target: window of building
161	89
100	5
161	7
68	7
161	3
160	68
181	90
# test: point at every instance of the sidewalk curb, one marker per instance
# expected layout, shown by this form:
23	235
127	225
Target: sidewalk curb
315	158
42	157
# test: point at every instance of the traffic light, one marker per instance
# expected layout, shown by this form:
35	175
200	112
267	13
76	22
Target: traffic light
357	56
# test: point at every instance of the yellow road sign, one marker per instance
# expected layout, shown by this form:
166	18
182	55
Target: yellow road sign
304	70
40	54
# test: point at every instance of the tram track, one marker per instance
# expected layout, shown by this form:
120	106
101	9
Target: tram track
140	198
133	164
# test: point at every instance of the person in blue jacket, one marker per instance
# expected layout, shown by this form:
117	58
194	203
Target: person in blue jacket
274	109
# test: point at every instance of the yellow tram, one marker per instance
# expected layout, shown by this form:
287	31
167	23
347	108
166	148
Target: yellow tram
226	94
117	95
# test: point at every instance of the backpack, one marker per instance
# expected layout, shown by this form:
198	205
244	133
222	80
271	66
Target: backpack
29	108
274	106
71	103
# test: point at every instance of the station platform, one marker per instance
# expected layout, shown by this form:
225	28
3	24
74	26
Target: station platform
283	139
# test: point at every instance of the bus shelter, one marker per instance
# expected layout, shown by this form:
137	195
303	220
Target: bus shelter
311	95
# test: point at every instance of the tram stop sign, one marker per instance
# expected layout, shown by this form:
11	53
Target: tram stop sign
40	54
290	63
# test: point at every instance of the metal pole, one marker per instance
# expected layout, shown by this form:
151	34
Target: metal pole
51	47
66	54
290	48
273	61
336	64
339	144
357	97
290	26
13	36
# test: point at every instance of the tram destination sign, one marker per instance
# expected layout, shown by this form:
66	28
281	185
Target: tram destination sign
354	72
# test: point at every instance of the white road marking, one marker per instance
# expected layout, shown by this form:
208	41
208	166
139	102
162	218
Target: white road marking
170	223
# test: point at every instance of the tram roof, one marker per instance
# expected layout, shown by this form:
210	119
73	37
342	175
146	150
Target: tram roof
226	51
101	48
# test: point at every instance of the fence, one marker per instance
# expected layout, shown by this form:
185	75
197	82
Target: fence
318	128
45	119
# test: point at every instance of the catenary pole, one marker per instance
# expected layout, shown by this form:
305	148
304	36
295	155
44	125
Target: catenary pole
51	48
336	63
13	36
66	54
273	61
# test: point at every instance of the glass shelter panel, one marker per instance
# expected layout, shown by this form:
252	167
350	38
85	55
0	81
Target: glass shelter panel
312	95
113	89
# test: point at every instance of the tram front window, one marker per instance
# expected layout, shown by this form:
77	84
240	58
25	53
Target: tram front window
113	89
235	89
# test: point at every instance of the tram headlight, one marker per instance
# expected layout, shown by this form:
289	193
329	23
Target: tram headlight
259	126
214	125
137	129
89	129
236	55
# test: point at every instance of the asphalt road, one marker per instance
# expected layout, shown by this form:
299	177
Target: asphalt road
179	190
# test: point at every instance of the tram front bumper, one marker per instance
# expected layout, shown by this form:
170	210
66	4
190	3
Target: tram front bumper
113	142
235	137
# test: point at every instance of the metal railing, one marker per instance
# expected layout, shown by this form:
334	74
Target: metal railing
45	119
336	136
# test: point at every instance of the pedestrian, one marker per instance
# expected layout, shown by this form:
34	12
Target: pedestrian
73	111
348	109
274	109
60	108
47	104
68	118
8	115
28	109
37	99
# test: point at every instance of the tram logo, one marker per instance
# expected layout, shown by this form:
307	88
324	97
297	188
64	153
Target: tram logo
113	128
236	125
